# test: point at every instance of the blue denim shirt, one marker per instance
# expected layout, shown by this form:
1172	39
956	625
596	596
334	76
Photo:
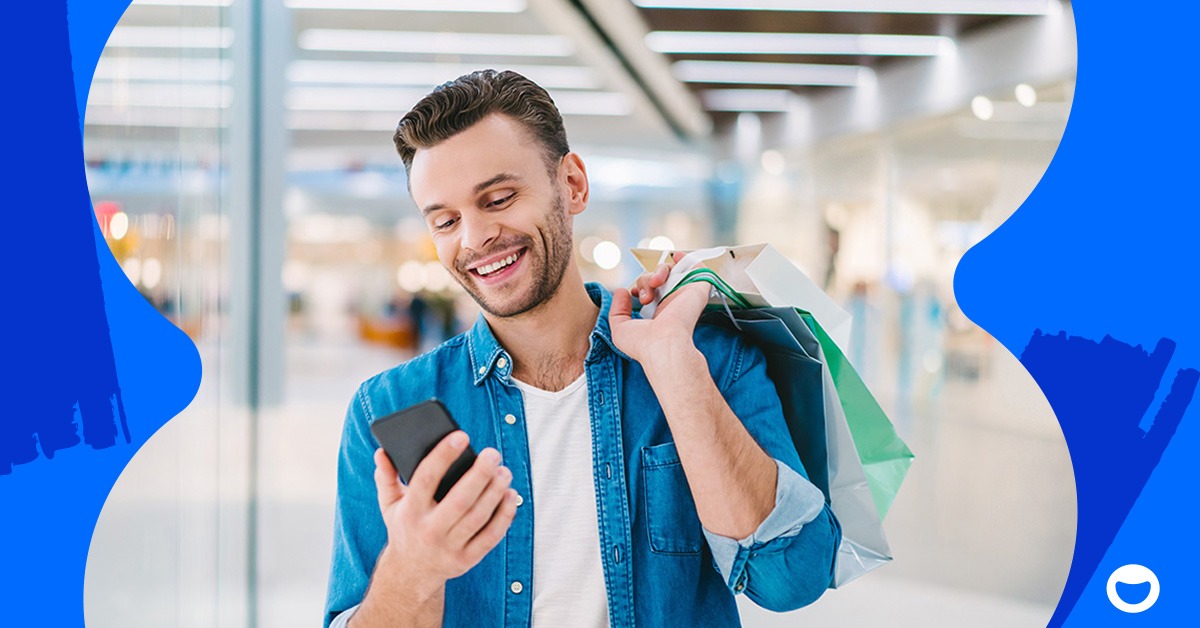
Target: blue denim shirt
661	567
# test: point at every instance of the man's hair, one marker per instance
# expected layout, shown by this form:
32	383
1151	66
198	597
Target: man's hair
453	107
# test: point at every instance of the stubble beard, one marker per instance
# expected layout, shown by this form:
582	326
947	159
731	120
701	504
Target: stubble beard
547	270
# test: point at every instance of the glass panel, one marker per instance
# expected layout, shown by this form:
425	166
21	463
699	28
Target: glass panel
170	545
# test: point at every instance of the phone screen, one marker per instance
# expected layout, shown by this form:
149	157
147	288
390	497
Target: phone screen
407	436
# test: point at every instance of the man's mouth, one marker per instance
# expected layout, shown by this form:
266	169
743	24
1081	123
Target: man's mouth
498	268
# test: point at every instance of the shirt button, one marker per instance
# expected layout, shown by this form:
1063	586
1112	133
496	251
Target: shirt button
516	587
482	370
501	363
738	588
510	419
520	500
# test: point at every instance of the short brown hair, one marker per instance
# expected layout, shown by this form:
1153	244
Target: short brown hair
453	107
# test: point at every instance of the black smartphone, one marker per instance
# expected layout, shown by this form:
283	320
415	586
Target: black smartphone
407	436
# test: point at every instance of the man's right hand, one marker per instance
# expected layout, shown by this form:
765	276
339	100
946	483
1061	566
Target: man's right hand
431	542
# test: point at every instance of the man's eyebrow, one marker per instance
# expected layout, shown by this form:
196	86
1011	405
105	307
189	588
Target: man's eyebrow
503	177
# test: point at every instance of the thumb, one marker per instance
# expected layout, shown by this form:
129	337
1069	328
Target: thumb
621	309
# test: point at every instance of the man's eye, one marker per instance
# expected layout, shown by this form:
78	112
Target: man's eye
500	201
444	225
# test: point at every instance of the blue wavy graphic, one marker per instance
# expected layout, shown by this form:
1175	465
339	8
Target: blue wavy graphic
1105	246
87	360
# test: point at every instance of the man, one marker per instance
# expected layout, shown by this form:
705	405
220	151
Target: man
629	471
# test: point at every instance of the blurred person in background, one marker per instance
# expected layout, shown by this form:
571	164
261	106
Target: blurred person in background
647	473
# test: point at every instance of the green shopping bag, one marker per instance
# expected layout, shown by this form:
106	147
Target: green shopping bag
885	458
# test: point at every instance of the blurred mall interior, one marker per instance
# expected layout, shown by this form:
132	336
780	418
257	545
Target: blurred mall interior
241	168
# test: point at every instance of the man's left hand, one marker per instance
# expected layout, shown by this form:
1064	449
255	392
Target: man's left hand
670	331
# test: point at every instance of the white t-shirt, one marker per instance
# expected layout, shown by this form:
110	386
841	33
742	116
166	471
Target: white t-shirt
568	577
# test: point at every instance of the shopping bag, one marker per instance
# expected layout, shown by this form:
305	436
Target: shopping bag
758	275
817	424
843	437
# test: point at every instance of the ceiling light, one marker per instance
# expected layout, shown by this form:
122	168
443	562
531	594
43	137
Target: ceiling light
151	272
352	99
982	107
607	255
687	42
118	225
184	3
960	7
170	95
133	270
773	100
157	117
158	69
397	101
430	74
491	44
769	73
445	6
170	37
592	103
773	162
660	243
1026	95
412	276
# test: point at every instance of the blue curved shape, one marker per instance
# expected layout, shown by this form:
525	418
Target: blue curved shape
79	341
1105	248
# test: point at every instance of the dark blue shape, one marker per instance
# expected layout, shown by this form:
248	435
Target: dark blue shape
1100	391
71	324
64	310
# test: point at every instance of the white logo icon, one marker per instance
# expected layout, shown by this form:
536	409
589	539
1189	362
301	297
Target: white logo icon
1132	574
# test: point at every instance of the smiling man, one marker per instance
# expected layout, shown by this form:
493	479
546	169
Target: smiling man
630	471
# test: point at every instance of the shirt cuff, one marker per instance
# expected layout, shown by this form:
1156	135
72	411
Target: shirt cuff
797	502
343	618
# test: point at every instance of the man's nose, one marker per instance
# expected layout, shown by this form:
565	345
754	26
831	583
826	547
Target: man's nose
478	232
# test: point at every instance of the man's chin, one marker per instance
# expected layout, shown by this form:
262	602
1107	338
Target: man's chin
502	302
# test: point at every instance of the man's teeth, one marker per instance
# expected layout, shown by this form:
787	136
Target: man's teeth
491	268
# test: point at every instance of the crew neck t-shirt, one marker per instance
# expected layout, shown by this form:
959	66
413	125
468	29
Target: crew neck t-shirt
568	576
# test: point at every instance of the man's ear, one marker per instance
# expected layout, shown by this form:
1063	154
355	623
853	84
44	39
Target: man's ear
574	176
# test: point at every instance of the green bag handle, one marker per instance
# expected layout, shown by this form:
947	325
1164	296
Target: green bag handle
710	277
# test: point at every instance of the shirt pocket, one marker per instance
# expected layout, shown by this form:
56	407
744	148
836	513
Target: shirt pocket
671	519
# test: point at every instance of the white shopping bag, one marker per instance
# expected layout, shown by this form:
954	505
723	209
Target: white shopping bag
761	274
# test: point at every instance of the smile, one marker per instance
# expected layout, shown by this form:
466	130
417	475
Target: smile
497	267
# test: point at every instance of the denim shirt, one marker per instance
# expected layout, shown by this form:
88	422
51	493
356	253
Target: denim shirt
661	567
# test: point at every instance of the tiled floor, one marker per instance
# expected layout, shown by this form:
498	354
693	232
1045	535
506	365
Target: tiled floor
982	530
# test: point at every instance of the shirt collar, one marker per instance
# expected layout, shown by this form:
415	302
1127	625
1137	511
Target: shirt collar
487	355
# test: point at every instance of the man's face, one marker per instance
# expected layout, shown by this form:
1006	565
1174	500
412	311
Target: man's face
496	215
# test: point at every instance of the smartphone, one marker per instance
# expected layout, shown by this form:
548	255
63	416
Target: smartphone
407	436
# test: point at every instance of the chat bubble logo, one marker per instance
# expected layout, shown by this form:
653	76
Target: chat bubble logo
1132	574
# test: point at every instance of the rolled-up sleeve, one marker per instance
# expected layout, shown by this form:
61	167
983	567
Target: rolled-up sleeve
788	561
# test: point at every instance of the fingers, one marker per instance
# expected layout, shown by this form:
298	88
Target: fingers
692	300
648	282
482	510
468	489
491	534
387	484
621	308
433	468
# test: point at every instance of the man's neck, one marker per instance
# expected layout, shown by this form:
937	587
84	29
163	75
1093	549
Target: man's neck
549	344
